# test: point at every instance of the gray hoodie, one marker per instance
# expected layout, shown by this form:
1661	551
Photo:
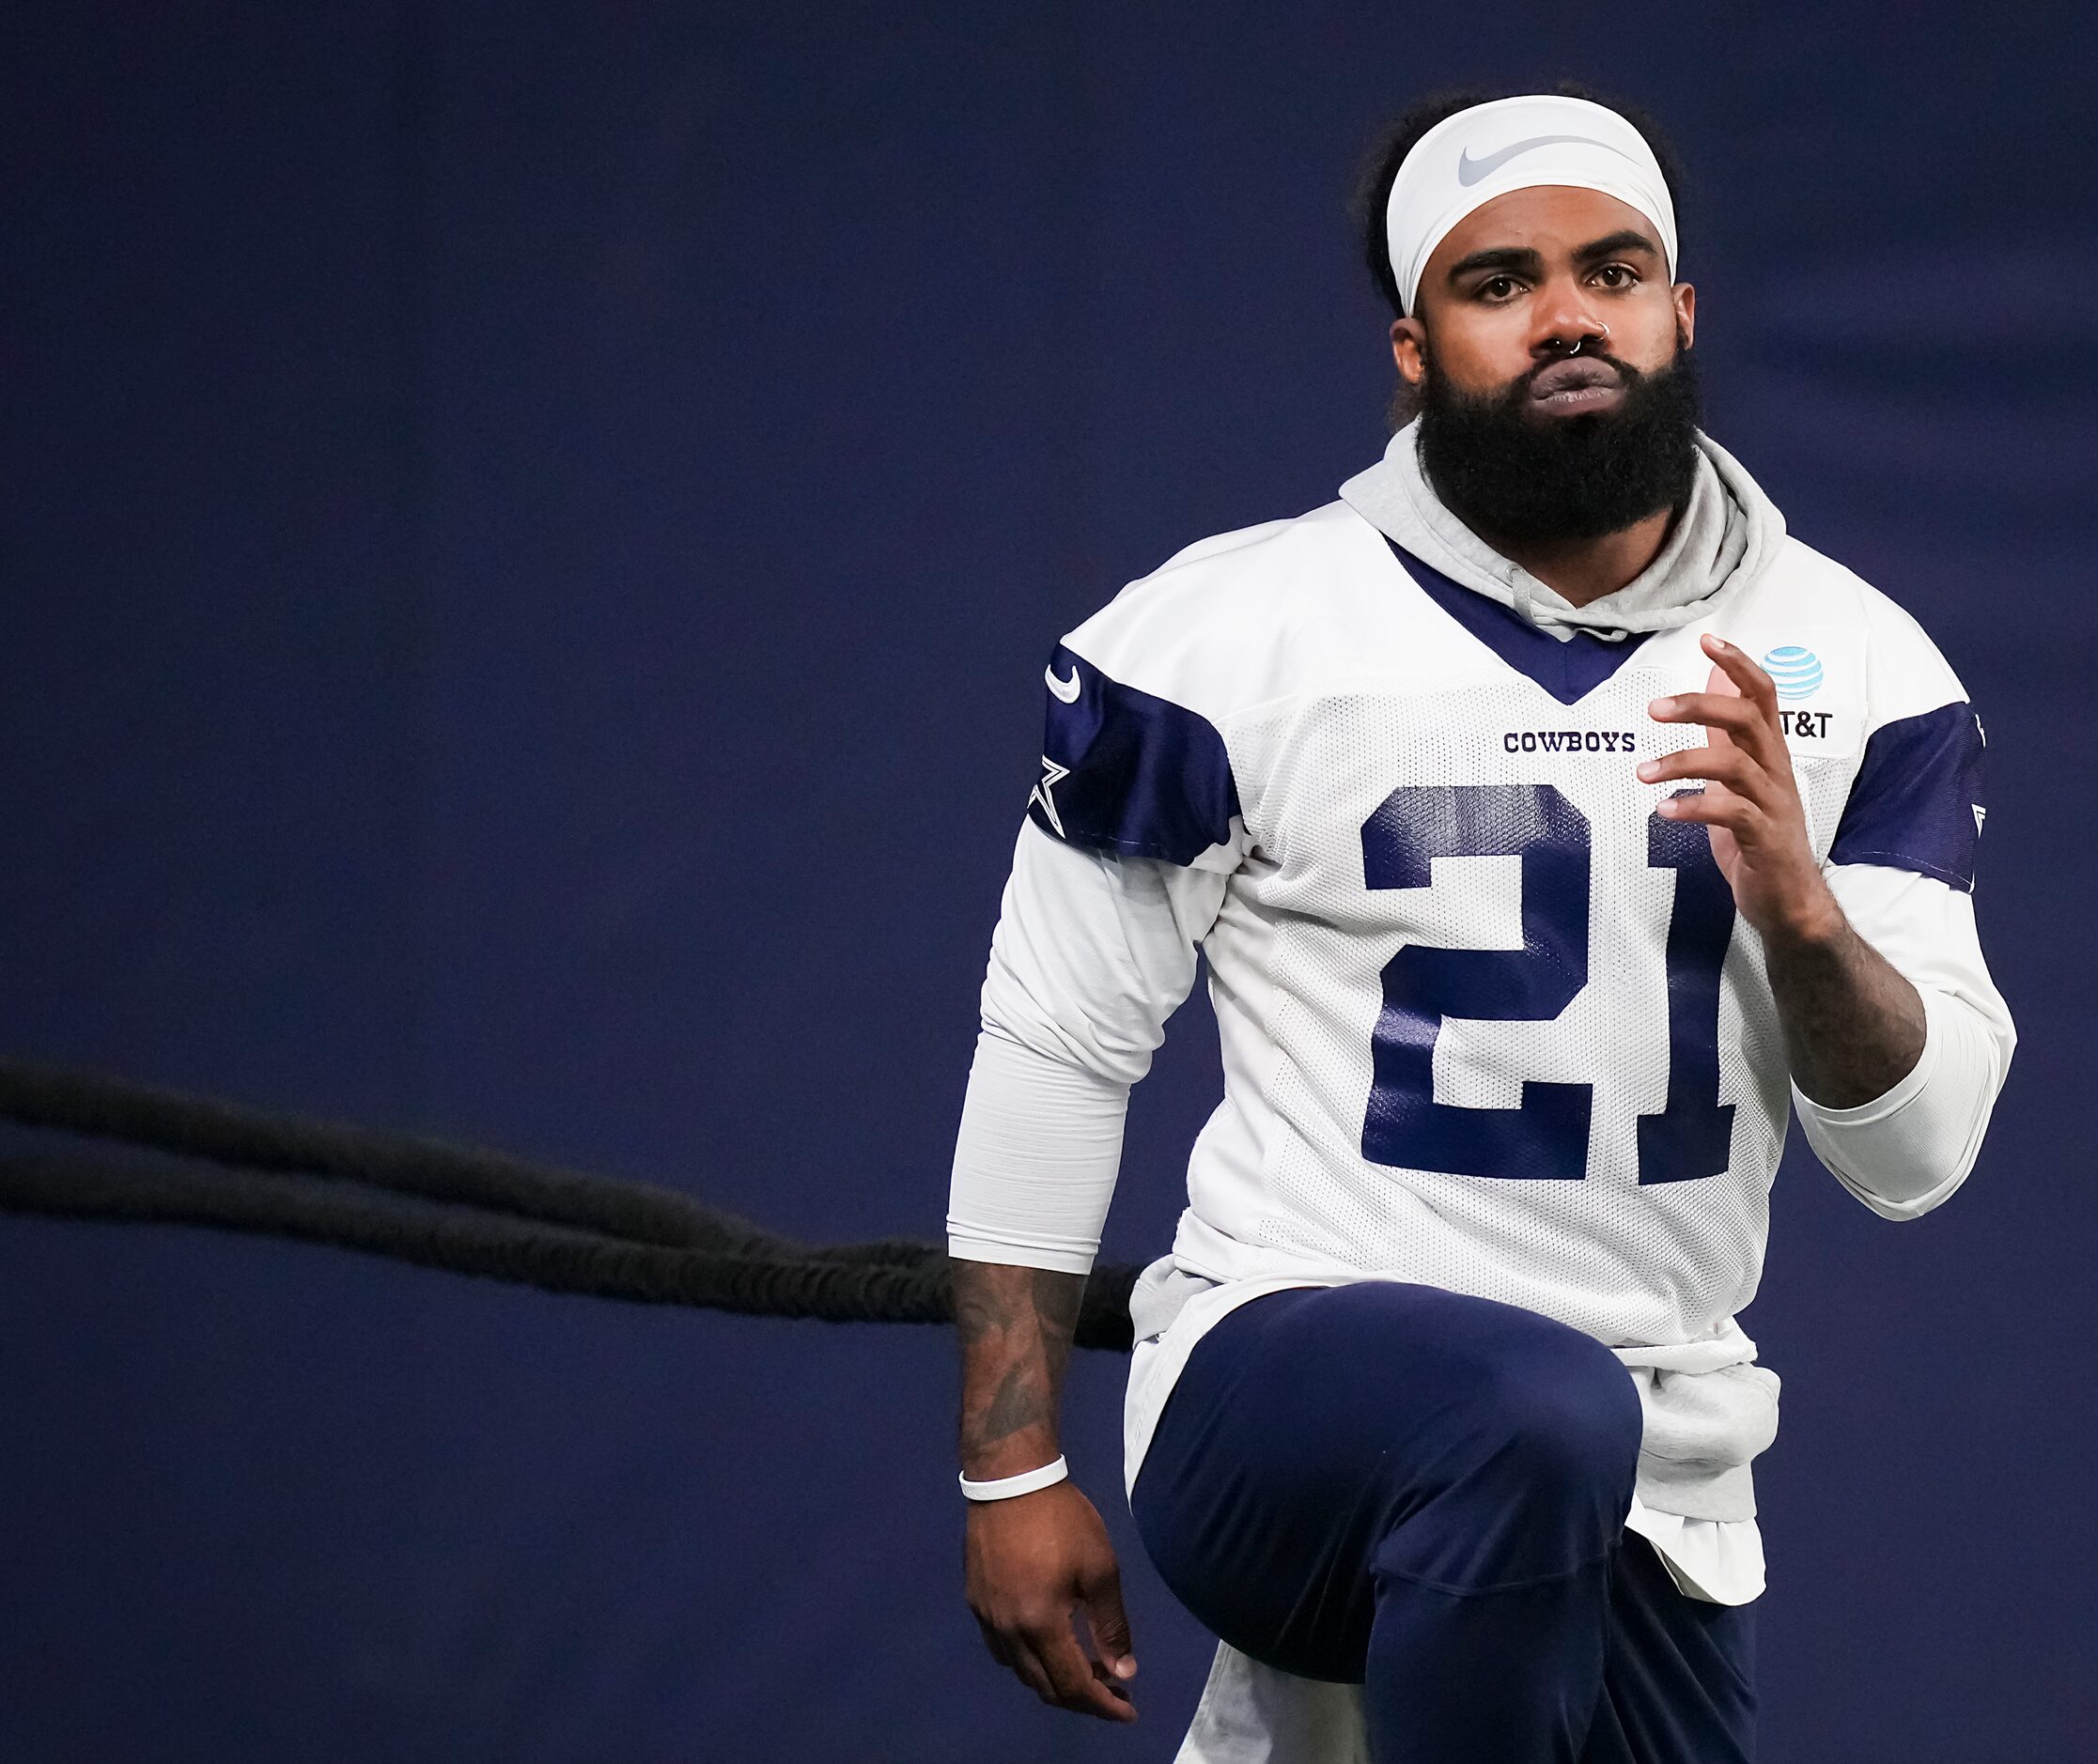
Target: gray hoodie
1726	538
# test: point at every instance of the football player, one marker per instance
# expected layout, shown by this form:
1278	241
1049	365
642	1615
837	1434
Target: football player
1554	826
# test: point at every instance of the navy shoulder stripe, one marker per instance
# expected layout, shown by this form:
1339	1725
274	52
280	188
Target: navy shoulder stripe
1916	803
1125	771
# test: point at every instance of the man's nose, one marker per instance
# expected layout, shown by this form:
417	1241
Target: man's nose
1565	323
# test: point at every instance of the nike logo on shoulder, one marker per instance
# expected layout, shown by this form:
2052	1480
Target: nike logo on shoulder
1065	689
1469	171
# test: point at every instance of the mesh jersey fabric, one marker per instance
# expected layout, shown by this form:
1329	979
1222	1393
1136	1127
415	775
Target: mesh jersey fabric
1316	701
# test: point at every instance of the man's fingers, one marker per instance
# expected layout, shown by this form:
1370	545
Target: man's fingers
1109	1626
1739	705
1029	1670
1729	766
1736	814
1733	722
1754	683
1071	1674
1736	716
1012	1646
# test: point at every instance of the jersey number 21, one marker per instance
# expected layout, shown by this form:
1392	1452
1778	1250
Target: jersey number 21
1547	1135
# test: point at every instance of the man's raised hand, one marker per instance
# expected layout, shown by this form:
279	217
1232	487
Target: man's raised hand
1751	803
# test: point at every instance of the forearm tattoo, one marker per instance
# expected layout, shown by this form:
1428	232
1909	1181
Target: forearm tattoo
1014	1326
1854	1028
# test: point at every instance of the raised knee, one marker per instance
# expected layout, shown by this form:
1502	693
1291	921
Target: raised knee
1537	1472
1567	1419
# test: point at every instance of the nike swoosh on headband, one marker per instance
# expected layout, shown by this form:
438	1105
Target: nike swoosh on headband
1065	689
1469	171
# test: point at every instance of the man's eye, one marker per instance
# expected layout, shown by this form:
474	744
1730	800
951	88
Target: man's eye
1617	275
1498	288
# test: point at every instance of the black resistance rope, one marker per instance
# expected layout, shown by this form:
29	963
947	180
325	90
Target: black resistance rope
464	1209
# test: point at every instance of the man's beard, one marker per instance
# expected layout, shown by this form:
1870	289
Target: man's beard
1510	473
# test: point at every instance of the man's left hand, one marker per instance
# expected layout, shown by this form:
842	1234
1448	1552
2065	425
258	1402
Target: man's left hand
1750	802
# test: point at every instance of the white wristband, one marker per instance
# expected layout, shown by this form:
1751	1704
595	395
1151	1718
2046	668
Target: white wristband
1004	1488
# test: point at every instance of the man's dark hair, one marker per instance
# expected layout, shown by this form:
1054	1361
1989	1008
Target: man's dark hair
1381	166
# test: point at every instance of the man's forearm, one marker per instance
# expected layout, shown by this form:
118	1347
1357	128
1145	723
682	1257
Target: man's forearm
1015	1326
1854	1026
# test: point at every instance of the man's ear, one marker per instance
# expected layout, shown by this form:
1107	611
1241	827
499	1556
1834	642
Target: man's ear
1685	312
1409	342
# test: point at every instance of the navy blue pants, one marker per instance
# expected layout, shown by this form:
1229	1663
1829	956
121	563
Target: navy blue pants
1424	1494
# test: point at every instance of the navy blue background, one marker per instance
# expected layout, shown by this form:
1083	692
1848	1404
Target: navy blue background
531	535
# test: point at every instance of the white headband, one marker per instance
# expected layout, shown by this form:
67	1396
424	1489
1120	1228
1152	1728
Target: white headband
1468	160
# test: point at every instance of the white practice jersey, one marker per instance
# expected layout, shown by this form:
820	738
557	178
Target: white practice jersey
1488	1022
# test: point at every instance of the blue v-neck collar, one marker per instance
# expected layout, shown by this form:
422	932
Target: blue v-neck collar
1568	671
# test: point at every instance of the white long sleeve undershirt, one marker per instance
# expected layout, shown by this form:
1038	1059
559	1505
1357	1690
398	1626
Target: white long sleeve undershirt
1092	955
1906	1152
1036	1160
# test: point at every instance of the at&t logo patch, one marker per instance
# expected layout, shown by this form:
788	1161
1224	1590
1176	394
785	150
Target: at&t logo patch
1794	672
